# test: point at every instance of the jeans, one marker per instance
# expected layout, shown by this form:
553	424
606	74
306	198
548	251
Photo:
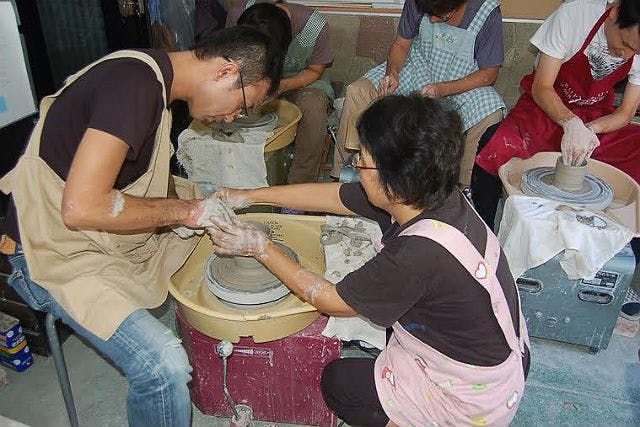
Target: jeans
146	351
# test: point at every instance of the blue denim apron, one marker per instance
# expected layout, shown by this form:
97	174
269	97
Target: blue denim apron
441	53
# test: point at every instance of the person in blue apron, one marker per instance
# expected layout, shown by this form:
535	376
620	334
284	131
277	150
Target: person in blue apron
449	49
92	195
458	351
303	82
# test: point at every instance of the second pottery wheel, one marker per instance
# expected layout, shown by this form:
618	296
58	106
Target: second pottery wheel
595	194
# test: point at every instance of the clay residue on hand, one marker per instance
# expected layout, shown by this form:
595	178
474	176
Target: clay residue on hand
212	207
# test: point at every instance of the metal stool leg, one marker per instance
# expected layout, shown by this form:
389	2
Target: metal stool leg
61	368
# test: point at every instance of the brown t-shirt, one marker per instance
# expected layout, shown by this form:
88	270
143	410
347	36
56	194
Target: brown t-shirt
121	97
420	284
321	54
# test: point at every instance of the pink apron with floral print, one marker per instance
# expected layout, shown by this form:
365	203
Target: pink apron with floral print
419	386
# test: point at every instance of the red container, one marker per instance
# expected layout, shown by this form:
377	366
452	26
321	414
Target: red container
279	380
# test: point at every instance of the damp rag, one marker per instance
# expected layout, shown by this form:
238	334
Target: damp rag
348	244
224	163
534	230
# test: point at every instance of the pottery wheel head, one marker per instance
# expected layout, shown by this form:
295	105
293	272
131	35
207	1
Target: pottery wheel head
267	121
243	280
594	195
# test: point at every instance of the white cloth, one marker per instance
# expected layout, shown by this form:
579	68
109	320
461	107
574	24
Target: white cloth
534	230
564	32
222	163
342	258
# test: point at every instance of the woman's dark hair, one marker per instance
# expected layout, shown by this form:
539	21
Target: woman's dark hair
271	20
438	7
628	13
416	143
257	56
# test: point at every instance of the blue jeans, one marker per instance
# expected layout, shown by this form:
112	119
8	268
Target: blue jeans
145	350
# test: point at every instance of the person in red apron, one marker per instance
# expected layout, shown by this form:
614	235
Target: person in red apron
586	48
92	192
458	350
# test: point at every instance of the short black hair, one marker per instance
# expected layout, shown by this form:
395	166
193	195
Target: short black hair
271	20
416	143
257	56
438	7
628	13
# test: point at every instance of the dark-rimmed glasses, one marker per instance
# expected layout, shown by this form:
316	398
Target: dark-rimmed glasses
355	162
245	111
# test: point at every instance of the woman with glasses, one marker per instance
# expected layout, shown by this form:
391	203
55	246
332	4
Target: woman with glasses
449	49
457	354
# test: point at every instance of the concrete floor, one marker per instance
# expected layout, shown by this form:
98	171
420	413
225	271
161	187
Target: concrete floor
567	386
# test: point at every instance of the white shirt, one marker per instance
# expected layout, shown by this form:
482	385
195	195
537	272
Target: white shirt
564	32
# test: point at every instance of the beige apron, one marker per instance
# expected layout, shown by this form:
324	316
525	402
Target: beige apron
99	278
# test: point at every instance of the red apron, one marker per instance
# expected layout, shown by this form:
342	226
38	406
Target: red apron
528	130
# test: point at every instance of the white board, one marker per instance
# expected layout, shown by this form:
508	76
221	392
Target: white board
16	95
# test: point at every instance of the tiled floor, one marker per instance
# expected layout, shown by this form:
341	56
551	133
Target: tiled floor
567	386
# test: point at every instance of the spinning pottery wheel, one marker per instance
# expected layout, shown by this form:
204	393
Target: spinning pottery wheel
221	319
593	193
624	207
243	282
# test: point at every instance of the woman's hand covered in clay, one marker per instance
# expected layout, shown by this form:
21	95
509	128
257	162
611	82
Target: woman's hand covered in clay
237	238
578	142
205	210
233	199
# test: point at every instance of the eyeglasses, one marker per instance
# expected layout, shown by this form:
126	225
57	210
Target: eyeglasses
355	162
245	111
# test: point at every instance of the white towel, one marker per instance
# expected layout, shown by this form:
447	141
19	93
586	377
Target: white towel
222	163
341	259
534	230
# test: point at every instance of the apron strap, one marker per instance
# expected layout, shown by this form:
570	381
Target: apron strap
309	34
482	269
481	16
34	143
595	29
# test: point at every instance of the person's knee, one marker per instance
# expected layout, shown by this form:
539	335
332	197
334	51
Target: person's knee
167	365
330	381
313	103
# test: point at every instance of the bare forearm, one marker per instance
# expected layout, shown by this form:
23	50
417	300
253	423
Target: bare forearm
305	284
300	80
548	100
398	55
119	212
479	78
611	122
309	197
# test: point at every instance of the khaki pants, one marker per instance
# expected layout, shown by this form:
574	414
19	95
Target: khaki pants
362	92
312	129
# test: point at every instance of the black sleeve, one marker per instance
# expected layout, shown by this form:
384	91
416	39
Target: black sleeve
127	103
354	198
389	284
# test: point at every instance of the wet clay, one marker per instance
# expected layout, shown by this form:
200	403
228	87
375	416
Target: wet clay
569	178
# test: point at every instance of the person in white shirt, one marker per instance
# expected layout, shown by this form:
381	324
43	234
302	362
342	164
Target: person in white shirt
586	48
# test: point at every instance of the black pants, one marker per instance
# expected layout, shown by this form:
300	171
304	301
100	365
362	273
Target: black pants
349	390
486	189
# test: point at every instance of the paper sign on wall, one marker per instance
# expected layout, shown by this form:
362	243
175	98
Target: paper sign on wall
16	95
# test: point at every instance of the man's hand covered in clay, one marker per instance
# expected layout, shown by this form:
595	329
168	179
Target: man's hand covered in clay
578	142
238	238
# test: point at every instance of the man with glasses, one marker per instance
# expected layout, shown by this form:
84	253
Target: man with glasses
449	49
92	195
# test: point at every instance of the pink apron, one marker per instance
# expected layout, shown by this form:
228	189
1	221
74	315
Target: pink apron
419	386
528	130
